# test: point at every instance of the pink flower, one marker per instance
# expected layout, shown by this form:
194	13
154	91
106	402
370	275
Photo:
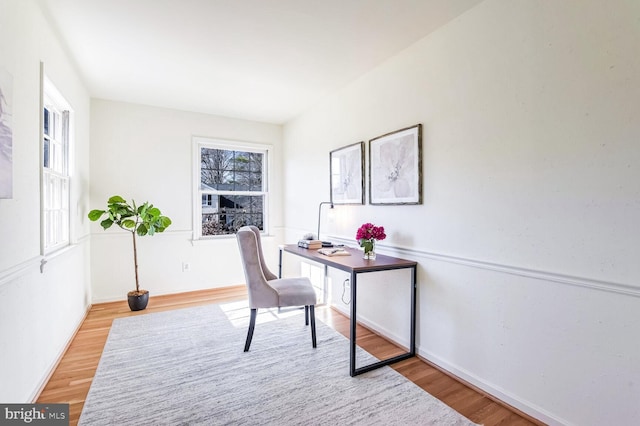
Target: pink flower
369	231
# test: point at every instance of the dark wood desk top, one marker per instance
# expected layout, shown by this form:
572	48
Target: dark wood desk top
353	263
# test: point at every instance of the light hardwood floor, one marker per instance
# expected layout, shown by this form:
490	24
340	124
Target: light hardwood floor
72	378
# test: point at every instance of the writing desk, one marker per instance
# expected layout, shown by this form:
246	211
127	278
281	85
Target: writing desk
356	265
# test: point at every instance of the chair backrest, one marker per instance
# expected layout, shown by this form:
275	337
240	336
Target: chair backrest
261	294
265	270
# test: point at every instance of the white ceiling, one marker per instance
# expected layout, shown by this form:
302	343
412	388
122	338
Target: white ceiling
263	60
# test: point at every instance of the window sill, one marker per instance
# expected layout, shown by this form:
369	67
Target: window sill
222	239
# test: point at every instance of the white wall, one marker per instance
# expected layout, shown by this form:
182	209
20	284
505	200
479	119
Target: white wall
39	312
145	153
527	237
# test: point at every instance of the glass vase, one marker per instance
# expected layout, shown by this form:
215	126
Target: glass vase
369	250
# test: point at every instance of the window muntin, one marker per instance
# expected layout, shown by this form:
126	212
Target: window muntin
232	188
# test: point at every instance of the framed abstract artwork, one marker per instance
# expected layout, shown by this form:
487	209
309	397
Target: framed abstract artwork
346	166
395	167
6	135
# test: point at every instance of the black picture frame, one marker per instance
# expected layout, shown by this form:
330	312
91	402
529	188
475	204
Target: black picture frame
346	174
395	167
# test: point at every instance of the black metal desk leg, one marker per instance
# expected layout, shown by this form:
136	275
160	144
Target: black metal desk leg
352	338
412	347
354	371
280	263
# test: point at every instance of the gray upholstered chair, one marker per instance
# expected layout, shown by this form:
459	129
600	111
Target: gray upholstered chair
265	289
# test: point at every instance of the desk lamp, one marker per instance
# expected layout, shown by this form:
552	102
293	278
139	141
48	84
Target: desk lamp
324	243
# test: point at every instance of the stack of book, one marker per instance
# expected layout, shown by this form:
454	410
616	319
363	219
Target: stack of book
310	244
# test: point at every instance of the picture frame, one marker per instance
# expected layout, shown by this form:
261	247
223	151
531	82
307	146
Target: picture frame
346	174
395	167
6	134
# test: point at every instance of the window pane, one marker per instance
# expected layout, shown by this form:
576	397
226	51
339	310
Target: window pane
213	164
45	154
241	160
227	180
247	181
55	125
46	122
242	181
56	157
230	212
256	162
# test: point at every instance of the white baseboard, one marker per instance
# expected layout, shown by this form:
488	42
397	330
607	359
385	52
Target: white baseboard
493	390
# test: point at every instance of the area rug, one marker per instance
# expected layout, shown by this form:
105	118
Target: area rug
187	367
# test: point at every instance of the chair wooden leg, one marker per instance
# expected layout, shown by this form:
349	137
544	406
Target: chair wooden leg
306	315
312	311
252	325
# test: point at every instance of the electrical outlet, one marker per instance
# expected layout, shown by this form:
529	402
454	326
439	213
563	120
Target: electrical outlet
186	267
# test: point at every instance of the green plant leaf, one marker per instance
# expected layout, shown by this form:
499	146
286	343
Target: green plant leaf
116	199
142	230
121	210
128	223
95	214
106	224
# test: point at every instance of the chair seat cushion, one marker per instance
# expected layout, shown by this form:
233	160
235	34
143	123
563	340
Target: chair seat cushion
294	291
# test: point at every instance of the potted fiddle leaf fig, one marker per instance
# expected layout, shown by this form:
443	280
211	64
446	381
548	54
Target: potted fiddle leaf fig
138	220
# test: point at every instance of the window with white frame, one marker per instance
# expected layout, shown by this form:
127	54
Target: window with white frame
55	170
232	187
